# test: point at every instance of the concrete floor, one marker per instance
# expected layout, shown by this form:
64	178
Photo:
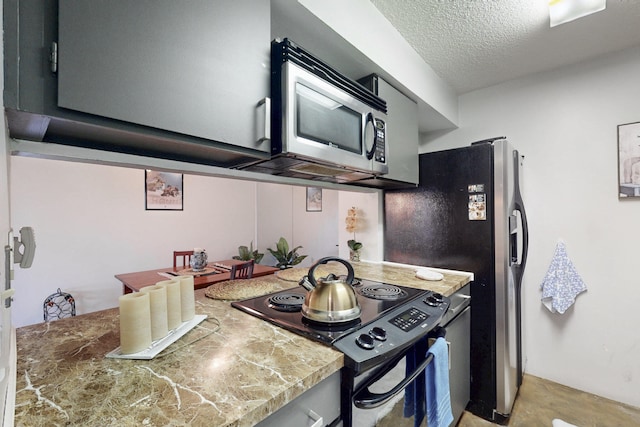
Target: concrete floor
539	402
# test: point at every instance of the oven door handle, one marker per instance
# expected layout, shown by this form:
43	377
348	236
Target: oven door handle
366	399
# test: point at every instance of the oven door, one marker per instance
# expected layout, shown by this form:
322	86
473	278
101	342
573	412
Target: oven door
365	398
393	373
384	387
374	393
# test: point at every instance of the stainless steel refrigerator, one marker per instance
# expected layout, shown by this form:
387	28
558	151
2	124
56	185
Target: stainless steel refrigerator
467	214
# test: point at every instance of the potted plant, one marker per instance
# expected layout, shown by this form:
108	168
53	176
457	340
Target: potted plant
354	249
352	222
286	258
248	253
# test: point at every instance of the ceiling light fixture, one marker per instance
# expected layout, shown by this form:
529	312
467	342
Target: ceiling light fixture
562	11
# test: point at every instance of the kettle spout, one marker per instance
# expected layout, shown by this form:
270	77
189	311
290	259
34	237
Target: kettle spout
305	283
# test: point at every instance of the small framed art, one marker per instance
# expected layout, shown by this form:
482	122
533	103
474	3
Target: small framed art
163	191
314	199
629	160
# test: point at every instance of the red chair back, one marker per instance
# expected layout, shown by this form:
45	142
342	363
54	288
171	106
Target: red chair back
243	270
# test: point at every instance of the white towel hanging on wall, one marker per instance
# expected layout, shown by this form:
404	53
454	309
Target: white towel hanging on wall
562	283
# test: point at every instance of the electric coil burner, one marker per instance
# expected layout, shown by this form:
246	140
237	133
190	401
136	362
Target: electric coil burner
382	291
287	302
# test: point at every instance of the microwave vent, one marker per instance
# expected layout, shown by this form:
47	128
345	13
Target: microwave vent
292	167
319	170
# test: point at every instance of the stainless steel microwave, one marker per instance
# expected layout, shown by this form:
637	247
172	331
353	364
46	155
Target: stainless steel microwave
324	126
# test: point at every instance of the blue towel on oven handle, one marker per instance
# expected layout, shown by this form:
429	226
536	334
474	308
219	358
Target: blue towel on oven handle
414	393
438	396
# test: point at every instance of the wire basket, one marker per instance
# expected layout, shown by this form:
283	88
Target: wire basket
58	306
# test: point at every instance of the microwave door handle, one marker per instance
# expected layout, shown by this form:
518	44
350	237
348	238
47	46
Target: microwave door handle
375	135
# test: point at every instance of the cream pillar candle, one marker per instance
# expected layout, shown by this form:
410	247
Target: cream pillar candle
187	298
174	317
135	322
159	316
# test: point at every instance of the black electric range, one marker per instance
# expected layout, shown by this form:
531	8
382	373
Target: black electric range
393	318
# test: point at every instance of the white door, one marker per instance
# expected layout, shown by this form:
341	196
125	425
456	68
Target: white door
7	351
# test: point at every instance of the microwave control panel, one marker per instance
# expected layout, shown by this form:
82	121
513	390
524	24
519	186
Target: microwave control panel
380	153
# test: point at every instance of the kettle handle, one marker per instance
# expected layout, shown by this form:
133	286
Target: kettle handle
350	272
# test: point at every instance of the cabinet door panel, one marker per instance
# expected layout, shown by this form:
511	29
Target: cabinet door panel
195	67
402	134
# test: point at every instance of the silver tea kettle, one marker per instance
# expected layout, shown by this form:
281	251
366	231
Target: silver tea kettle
330	299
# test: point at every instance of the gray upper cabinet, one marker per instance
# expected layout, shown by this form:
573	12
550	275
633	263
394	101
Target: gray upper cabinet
157	77
402	136
197	68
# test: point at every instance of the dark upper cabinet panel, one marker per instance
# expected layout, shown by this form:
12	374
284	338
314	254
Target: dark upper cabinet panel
197	68
163	78
402	136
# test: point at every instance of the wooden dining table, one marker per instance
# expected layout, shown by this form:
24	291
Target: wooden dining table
216	271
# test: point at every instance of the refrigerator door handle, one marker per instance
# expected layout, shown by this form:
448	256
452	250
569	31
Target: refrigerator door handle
519	207
518	269
525	242
518	239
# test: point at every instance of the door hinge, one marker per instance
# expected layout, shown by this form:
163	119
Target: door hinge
53	57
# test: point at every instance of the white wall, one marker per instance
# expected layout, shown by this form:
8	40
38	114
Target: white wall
282	212
91	224
316	231
565	123
370	224
275	207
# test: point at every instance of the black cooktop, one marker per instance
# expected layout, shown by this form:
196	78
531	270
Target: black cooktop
283	309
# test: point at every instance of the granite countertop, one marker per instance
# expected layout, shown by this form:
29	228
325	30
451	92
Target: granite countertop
397	274
400	274
231	370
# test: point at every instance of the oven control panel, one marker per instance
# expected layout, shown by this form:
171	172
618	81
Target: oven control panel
392	333
409	319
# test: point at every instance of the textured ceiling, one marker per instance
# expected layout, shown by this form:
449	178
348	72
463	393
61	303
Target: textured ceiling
473	44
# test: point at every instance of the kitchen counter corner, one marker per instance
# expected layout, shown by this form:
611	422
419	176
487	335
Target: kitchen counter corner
405	275
235	376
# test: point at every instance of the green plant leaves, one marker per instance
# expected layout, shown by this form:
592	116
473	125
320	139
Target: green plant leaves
282	245
353	245
284	256
248	253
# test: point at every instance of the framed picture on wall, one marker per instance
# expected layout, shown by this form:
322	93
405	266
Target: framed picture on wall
629	160
163	191
314	199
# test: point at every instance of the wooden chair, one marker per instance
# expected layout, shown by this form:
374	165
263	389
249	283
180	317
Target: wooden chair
242	271
186	258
